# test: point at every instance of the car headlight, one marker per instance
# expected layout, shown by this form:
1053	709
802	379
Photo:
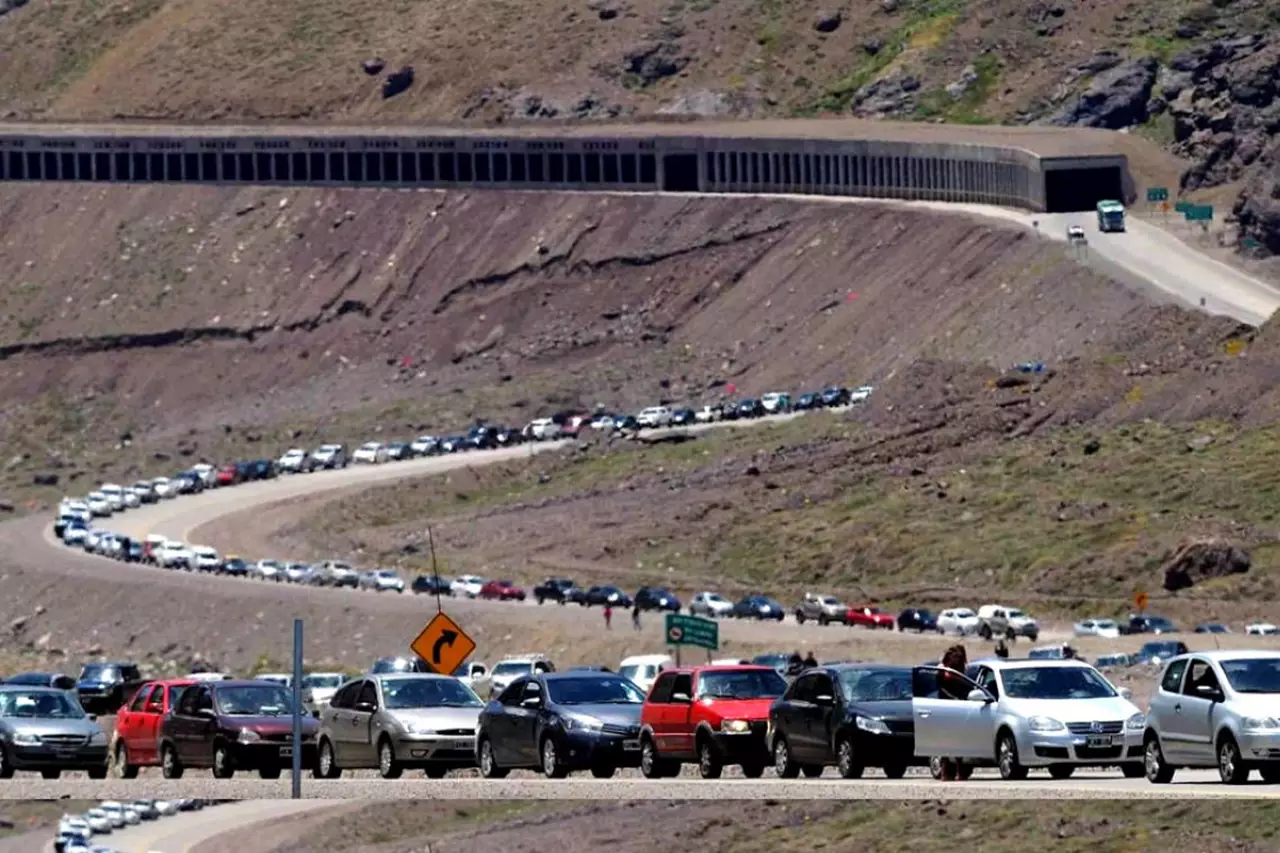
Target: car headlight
248	736
418	728
1138	722
872	725
97	739
26	739
736	727
1045	724
583	724
1260	723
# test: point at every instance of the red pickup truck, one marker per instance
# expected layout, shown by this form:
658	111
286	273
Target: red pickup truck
133	745
712	715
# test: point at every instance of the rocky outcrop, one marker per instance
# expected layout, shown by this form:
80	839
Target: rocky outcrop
1115	99
654	61
1200	560
888	96
1257	210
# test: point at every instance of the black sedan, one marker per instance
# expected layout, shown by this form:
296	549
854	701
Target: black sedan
554	589
656	598
431	585
751	409
919	619
852	716
683	417
805	402
758	607
835	396
559	722
234	566
605	594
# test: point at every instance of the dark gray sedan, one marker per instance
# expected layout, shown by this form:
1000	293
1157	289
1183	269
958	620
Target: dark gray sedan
46	730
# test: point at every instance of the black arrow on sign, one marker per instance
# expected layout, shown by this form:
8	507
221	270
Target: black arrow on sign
446	639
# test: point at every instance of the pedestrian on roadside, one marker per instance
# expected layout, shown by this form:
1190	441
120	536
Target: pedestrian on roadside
608	616
952	684
635	616
810	661
795	664
1002	649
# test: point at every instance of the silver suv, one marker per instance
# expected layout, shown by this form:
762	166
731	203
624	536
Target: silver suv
821	608
1216	709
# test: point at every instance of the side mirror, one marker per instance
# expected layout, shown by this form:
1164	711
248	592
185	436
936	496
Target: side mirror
366	707
531	702
1126	693
824	699
680	698
93	718
207	713
978	695
1208	691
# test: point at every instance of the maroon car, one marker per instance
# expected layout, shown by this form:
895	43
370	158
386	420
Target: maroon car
502	591
233	725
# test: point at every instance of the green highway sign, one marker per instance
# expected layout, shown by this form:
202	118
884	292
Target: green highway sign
1199	213
1155	194
692	631
1181	206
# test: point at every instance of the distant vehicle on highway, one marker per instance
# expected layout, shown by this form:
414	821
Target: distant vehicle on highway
318	688
1212	628
758	607
821	608
1110	216
432	585
1157	652
710	604
656	598
1097	628
329	456
467	586
599	596
501	590
866	616
918	619
553	589
371	453
1142	624
382	580
294	461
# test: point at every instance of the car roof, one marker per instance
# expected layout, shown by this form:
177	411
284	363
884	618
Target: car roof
228	683
27	688
568	675
639	659
1037	663
874	667
724	667
1231	654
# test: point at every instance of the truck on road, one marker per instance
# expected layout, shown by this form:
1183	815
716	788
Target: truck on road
1110	216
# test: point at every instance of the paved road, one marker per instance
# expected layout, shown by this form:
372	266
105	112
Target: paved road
1199	784
182	833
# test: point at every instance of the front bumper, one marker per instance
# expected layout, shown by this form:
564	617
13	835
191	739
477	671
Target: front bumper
748	747
1260	746
50	757
1039	749
451	750
591	749
897	749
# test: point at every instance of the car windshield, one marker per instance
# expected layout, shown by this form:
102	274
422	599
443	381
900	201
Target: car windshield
512	668
322	681
594	691
638	671
39	703
1253	675
1056	682
99	672
829	599
962	614
1104	623
876	685
265	700
402	693
741	684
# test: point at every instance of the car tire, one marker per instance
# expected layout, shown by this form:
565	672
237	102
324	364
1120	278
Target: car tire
984	631
935	767
1061	771
1232	768
170	765
709	764
326	766
783	764
488	764
223	768
1157	771
964	772
124	770
894	771
1011	768
51	773
388	766
435	771
753	770
847	760
549	759
653	766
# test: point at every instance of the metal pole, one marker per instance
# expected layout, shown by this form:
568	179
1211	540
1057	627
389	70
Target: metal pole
297	709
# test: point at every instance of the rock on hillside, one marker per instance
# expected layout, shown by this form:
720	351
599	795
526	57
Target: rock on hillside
1258	208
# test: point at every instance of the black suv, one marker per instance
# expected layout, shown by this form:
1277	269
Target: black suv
554	589
919	619
432	585
104	687
606	594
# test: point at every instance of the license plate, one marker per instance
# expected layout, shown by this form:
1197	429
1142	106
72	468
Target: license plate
286	752
1105	741
463	745
631	744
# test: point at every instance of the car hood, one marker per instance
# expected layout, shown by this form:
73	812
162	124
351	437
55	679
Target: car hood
1074	710
271	725
45	726
439	718
897	710
740	709
618	715
1255	704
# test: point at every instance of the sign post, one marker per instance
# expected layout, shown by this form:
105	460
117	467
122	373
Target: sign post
297	709
443	645
692	631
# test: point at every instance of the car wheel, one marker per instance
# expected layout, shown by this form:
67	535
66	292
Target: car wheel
894	771
846	761
222	766
50	773
709	765
1157	771
326	765
935	767
170	766
551	766
1011	769
388	766
812	771
435	771
269	772
489	768
984	632
799	618
124	770
1231	766
1061	771
652	766
964	772
783	764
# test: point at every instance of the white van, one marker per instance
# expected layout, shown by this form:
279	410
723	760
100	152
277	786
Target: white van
114	495
643	669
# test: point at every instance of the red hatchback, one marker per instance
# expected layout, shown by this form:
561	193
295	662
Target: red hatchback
502	591
869	617
712	715
228	475
133	745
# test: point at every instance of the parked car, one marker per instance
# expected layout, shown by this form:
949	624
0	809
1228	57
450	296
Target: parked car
45	729
709	414
382	580
267	570
654	417
318	688
714	716
643	670
398	663
336	573
1157	652
227	475
560	722
1212	628
398	451
235	567
750	409
758	607
1215	709
850	716
776	403
467	586
1262	629
711	605
997	620
432	585
1149	625
1113	659
501	591
1023	714
1097	628
396	722
835	395
656	598
329	456
958	620
867	616
821	608
510	668
55	680
425	445
553	589
918	619
605	594
294	461
133	745
370	453
104	687
233	725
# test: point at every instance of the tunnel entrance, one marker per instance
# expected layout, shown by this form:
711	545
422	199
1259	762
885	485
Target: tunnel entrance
1074	190
680	173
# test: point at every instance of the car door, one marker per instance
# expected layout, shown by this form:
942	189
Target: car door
131	728
1164	708
942	717
793	716
190	726
500	723
1201	692
678	718
524	723
824	716
359	744
340	722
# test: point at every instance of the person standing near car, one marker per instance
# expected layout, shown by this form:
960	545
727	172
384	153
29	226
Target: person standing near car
635	615
952	684
608	616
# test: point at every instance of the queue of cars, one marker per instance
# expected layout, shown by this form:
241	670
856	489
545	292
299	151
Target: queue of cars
78	833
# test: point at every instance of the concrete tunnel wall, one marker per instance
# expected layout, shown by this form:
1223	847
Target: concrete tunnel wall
487	159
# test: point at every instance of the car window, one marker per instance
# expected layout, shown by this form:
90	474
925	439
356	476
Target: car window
594	691
741	684
428	693
131	673
1200	674
661	692
140	698
254	700
822	686
1173	676
175	693
532	689
345	697
803	689
1252	675
48	704
683	684
1056	682
875	685
368	693
987	681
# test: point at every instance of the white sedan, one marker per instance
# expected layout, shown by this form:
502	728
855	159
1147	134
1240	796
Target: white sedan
371	453
467	586
710	604
1108	628
1262	629
205	558
958	620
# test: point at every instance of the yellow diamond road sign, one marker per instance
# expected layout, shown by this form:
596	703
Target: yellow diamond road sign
443	645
